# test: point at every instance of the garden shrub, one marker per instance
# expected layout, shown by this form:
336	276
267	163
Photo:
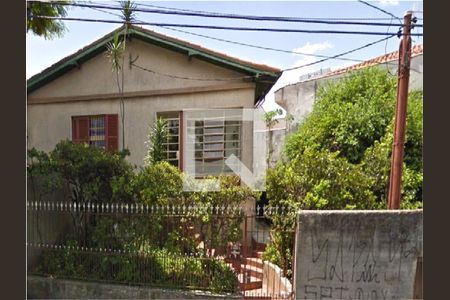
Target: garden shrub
165	246
341	154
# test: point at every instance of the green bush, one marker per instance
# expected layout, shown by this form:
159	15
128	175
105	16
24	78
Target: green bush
341	154
91	173
154	267
157	243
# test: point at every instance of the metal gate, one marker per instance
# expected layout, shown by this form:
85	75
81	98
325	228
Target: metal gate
260	277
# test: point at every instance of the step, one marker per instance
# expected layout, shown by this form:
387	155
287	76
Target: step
255	262
259	246
253	272
257	254
257	298
250	285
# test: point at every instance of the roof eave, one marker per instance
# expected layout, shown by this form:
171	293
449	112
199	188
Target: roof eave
99	46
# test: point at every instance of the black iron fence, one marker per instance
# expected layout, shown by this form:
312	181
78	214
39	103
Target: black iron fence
223	249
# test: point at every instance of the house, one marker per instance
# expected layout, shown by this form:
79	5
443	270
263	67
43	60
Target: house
78	98
298	98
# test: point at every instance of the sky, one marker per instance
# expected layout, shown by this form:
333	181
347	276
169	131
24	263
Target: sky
42	53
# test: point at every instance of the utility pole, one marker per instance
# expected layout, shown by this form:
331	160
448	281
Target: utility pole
400	115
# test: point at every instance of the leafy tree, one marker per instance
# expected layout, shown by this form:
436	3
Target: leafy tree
115	52
341	154
47	28
87	174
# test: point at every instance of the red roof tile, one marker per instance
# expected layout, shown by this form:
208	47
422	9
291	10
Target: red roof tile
416	50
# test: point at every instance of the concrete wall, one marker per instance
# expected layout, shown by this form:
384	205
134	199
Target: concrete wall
92	90
273	281
50	288
357	254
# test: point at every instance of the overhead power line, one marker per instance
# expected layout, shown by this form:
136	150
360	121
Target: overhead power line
249	77
190	78
232	16
255	46
251	45
286	30
340	54
300	18
380	9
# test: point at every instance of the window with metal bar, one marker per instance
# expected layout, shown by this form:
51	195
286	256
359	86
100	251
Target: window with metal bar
99	131
216	138
172	143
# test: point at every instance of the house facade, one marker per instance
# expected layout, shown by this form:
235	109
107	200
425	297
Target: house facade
78	98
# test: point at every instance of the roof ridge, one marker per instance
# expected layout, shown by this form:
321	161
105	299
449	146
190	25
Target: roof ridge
99	41
200	47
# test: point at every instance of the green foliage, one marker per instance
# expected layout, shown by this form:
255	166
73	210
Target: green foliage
159	183
155	143
348	115
128	11
320	180
162	184
269	117
90	172
270	120
341	154
161	268
46	28
115	52
161	244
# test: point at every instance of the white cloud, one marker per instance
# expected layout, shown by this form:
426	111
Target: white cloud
389	2
309	48
290	77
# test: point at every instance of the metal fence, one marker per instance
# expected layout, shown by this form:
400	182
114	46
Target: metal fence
216	248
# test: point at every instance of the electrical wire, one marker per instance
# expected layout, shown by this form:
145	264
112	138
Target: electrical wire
262	47
254	76
191	78
244	44
340	54
261	29
300	18
385	53
380	9
231	16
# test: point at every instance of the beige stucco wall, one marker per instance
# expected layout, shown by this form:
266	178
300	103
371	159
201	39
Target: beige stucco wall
96	77
51	107
50	123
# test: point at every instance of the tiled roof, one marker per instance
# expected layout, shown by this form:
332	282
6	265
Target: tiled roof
203	49
416	50
99	46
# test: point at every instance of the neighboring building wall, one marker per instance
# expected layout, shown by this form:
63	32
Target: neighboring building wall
91	90
298	99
